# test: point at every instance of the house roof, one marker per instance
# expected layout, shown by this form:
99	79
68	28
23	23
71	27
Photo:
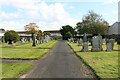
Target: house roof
51	31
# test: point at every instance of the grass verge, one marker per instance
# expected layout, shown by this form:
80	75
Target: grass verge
105	64
14	70
26	52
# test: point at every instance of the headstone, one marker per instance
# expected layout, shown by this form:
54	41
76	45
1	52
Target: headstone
100	42
104	40
112	41
109	46
22	40
80	42
95	44
36	41
85	37
85	47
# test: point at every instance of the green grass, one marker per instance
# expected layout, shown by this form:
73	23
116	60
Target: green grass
40	46
27	51
14	70
105	64
17	43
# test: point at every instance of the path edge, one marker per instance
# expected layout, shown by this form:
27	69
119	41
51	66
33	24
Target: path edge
84	62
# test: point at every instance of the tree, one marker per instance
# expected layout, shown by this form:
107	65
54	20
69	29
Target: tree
69	35
39	34
11	36
64	31
32	28
2	29
92	24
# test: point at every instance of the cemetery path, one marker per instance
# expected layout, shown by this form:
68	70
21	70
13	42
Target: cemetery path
61	62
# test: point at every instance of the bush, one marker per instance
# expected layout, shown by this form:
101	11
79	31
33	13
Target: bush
11	36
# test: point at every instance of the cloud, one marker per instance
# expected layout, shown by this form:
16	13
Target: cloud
51	16
9	16
10	25
104	1
71	7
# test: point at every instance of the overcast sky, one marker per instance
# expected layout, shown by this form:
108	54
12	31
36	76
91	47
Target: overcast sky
52	14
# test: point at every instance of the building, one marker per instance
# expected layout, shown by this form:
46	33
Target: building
114	29
23	34
54	34
2	32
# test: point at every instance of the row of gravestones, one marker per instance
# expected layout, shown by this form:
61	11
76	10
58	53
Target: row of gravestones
42	40
97	43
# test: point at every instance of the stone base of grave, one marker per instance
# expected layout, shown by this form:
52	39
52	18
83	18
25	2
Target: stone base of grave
95	50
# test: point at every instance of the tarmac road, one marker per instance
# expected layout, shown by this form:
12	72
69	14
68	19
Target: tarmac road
60	63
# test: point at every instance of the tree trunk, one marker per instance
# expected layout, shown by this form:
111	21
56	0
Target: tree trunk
10	42
34	42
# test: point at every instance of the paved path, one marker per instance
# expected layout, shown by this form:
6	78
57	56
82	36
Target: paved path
60	63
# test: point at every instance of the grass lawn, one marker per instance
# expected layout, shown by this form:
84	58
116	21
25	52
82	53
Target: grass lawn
105	64
17	43
40	46
14	70
27	51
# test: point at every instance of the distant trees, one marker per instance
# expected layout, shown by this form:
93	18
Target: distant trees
11	36
39	34
92	24
69	35
2	29
67	32
32	28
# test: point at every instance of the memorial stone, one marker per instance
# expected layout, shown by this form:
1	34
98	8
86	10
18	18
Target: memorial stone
85	37
112	41
80	41
95	44
85	47
109	46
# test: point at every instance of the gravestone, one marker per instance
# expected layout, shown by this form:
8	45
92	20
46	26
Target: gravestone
95	44
85	47
112	41
36	41
23	40
85	37
109	47
104	41
80	41
100	42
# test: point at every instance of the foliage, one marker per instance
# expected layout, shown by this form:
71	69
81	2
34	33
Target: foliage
69	35
92	24
2	29
64	31
32	28
11	36
39	34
